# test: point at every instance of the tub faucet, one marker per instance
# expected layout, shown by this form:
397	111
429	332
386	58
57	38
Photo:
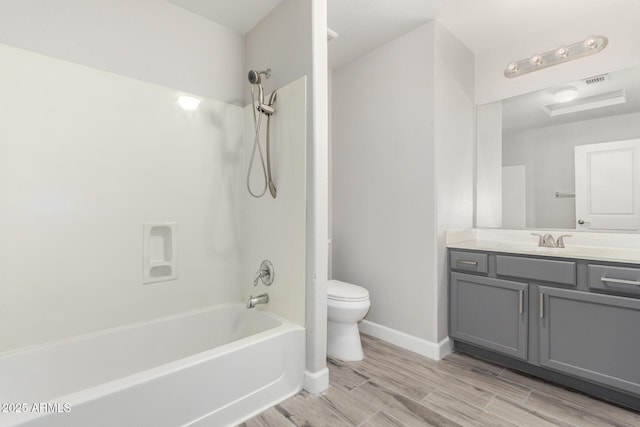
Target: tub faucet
259	275
265	273
260	299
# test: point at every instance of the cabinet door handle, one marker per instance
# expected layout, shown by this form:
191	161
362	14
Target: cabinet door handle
466	262
520	301
541	305
625	282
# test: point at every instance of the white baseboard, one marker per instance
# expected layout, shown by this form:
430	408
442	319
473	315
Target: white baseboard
435	351
316	382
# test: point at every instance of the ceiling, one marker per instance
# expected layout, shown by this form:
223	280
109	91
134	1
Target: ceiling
526	111
363	25
239	15
487	24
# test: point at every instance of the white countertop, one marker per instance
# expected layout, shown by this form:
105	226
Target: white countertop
521	243
596	253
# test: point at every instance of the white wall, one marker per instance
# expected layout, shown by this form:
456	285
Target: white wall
383	215
489	165
548	156
618	22
403	168
282	42
454	153
317	374
150	40
514	200
86	158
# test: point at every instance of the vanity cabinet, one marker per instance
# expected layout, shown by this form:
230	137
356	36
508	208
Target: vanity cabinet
490	312
591	336
572	321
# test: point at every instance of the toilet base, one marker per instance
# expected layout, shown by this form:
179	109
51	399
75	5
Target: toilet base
343	341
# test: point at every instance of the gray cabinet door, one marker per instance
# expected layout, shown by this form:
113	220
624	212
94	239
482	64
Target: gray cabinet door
592	336
491	313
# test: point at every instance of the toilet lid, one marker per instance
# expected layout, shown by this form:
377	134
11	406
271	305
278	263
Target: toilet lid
341	291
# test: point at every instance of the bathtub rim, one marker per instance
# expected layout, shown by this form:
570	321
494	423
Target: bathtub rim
140	323
121	383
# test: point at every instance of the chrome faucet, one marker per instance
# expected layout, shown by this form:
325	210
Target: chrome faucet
560	241
259	275
260	299
547	241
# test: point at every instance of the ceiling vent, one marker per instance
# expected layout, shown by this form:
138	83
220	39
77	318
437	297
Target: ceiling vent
596	79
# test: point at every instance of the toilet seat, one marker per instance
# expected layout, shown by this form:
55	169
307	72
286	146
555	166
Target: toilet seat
346	292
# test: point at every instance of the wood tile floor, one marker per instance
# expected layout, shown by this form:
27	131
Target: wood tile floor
395	387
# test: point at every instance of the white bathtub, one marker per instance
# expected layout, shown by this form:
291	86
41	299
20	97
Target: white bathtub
213	367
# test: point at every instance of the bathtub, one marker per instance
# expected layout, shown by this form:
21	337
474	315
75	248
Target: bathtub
211	367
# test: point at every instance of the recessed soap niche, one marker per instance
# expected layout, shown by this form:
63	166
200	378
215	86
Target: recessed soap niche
160	252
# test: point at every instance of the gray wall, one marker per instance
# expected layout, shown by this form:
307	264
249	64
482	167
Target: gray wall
548	156
402	164
454	152
383	185
150	40
282	42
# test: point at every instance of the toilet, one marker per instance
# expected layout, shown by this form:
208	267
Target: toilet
347	304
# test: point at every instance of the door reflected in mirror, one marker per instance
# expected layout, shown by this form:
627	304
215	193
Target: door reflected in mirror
566	157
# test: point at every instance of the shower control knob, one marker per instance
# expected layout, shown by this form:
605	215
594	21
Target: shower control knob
266	273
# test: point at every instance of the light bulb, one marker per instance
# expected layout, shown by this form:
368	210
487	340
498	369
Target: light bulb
536	60
564	94
562	52
590	43
512	68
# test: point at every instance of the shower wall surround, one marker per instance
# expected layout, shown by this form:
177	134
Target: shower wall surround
86	158
291	40
274	229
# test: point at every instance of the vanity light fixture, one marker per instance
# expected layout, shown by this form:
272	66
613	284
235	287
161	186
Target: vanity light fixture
591	45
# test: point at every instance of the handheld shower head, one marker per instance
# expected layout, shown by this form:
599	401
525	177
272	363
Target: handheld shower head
254	77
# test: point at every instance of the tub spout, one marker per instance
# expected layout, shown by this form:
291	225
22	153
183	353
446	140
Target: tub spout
260	299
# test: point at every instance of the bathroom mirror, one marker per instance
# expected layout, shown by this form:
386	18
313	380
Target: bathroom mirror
566	157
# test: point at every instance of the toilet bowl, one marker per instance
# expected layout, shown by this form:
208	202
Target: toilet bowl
347	304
